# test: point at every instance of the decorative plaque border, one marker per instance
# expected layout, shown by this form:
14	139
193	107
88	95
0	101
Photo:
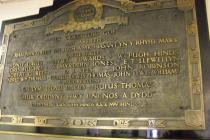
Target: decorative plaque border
193	118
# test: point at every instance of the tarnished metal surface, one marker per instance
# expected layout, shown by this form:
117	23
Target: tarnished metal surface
105	64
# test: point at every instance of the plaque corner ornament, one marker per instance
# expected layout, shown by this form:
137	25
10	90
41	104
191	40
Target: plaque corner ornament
9	29
193	118
185	5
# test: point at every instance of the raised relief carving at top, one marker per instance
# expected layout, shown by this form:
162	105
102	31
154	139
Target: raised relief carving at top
87	10
87	15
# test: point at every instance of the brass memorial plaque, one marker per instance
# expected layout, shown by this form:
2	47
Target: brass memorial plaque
105	64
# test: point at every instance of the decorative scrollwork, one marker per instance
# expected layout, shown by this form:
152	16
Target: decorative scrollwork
16	120
40	121
157	123
192	29
86	7
127	4
195	59
83	26
154	4
121	123
196	86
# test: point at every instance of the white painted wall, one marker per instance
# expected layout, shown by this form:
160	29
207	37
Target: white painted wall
11	9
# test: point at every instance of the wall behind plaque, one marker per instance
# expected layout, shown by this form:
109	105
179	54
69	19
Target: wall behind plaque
11	9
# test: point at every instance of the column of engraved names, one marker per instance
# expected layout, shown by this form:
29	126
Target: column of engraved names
90	68
85	75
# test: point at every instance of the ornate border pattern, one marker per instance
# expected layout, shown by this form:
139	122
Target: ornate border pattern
193	119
